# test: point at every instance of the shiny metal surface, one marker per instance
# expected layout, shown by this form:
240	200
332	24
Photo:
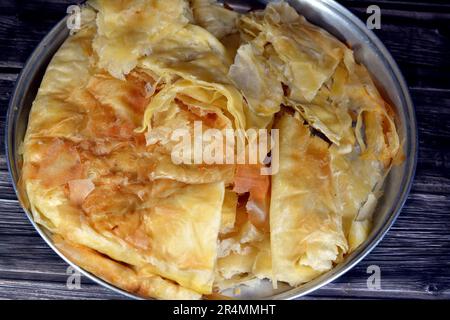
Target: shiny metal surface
328	15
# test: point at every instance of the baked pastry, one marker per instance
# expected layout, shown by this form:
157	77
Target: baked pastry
104	173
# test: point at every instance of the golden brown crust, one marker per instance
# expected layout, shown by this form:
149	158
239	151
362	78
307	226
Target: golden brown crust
123	276
98	171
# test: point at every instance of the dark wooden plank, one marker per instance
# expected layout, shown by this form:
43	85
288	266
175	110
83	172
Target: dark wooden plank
6	86
419	42
29	269
18	38
37	290
53	9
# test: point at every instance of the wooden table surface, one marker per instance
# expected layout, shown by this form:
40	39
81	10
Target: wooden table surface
414	257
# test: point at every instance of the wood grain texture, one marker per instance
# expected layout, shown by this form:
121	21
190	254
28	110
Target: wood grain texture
414	257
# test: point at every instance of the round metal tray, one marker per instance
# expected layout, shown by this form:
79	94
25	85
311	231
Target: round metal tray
325	13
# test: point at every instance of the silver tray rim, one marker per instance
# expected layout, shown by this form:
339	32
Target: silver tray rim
60	32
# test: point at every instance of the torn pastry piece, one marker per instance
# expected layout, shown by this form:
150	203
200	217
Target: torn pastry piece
243	234
286	50
222	285
229	208
183	231
306	227
348	108
355	180
244	254
127	98
192	53
381	140
212	16
165	232
180	118
247	266
211	97
335	120
259	84
304	56
237	264
310	54
360	174
375	129
184	112
128	30
249	179
251	25
262	267
159	36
